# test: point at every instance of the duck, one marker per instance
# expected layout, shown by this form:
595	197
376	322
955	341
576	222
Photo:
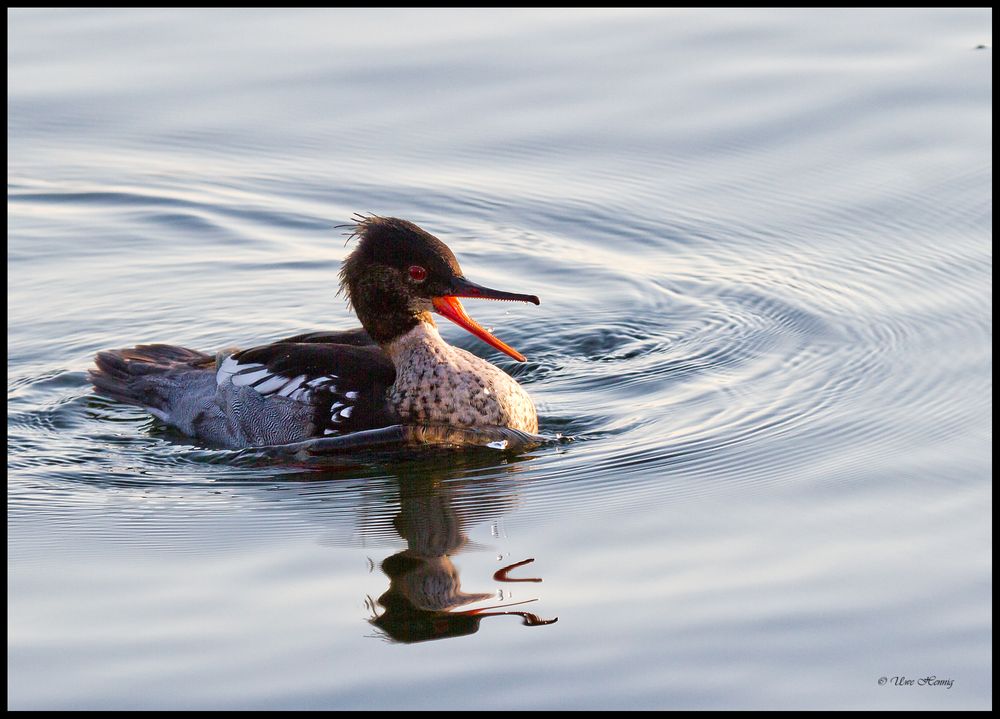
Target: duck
395	369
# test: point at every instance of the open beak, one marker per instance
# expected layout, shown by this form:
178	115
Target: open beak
449	306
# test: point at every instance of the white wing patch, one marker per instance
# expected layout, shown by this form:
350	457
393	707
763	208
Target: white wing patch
292	387
340	412
229	367
258	377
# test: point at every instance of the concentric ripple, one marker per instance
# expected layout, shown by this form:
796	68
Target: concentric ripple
668	380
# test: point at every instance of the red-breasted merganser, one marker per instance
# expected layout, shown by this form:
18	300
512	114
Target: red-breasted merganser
396	370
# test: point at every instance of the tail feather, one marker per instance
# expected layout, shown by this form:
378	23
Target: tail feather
128	375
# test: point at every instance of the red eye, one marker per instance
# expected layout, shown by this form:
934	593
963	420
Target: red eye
418	273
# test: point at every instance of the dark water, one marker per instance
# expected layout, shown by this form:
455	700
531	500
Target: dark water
763	244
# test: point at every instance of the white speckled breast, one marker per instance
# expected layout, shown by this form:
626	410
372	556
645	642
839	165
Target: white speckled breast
438	383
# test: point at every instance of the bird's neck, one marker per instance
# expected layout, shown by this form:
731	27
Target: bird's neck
421	343
383	308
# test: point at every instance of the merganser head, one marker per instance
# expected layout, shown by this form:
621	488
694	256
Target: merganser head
398	274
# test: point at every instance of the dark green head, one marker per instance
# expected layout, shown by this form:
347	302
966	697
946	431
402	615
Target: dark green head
398	274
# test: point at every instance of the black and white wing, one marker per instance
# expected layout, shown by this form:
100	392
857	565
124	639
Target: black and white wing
344	385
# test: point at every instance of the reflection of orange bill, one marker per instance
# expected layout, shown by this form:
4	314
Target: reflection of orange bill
501	574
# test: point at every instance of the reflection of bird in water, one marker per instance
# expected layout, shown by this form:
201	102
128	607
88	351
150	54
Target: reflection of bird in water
424	584
419	596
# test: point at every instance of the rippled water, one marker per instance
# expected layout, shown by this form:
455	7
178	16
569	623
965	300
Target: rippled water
763	244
